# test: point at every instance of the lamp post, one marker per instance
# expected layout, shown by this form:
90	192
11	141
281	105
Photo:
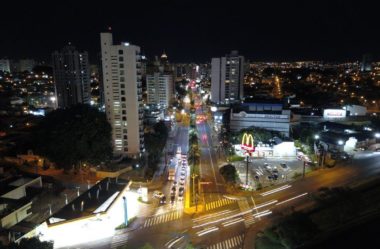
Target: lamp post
125	211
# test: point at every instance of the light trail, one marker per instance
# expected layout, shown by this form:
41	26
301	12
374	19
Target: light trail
232	222
290	199
171	242
209	216
266	204
275	190
206	231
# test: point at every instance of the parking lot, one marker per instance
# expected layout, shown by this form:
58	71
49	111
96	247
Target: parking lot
268	171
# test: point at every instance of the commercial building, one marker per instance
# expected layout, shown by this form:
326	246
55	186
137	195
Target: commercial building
123	95
5	65
227	78
16	194
268	115
71	76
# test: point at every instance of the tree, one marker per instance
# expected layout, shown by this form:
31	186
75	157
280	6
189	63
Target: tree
32	243
229	173
193	138
70	136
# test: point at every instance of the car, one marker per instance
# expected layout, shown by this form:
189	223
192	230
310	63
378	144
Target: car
275	171
284	166
270	177
172	199
173	189
180	190
275	176
163	200
158	194
267	166
180	197
182	183
175	183
183	172
182	178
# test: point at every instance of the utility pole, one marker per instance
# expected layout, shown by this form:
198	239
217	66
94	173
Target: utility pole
303	171
246	172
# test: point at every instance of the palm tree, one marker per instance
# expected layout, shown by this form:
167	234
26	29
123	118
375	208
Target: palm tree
193	138
194	154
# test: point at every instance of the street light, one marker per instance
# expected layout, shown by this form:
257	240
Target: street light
316	136
340	142
377	135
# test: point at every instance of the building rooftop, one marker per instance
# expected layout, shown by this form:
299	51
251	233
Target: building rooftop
95	200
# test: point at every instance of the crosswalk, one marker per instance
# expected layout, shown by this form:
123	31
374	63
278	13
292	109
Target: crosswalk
170	216
248	217
234	242
218	203
119	240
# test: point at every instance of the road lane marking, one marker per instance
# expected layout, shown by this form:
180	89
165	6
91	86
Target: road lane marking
275	190
290	199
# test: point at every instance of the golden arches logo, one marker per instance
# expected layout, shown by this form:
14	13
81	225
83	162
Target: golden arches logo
247	142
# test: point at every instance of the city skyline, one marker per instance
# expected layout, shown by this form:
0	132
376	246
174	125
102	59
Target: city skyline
195	31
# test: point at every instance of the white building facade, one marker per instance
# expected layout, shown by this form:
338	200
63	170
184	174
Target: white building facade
123	95
5	65
160	89
227	78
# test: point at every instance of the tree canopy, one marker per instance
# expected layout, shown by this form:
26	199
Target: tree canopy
69	136
32	243
229	173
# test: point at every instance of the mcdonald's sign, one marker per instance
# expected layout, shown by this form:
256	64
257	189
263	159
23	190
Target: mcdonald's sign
247	143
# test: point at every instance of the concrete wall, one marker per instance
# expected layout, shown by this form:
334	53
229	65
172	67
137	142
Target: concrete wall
16	216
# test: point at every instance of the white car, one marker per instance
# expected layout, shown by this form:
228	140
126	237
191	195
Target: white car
158	194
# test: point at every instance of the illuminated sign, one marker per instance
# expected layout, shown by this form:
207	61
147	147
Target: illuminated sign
247	143
334	113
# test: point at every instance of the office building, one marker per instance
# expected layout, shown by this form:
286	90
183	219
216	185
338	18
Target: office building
5	65
71	76
123	95
227	78
266	114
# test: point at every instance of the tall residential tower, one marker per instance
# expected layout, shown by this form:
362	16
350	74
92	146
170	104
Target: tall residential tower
121	69
227	78
71	76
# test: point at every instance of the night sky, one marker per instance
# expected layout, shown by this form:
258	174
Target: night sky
197	30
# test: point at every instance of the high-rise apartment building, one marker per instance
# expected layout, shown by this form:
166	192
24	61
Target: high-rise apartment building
121	69
227	78
27	65
5	65
71	76
160	88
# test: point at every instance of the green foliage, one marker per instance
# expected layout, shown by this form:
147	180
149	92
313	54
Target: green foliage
147	246
79	133
235	158
296	229
296	175
229	173
154	144
338	205
32	243
266	243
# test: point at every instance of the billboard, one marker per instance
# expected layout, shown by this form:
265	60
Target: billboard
334	113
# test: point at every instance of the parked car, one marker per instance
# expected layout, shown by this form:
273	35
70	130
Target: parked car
158	194
163	200
284	166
